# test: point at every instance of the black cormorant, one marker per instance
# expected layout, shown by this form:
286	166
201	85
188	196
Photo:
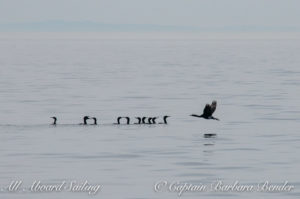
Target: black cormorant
153	120
95	120
208	111
85	118
119	120
165	119
54	122
139	120
143	120
128	120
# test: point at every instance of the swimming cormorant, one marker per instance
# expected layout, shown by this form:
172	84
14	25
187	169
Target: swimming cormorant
85	118
143	120
165	119
95	120
208	111
54	122
128	120
118	120
153	120
139	120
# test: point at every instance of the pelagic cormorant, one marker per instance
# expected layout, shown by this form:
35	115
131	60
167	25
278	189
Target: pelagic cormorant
128	120
144	120
208	111
95	120
54	122
151	120
139	120
119	120
165	119
85	118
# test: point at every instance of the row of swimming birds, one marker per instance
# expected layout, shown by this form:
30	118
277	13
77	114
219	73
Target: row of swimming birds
208	110
140	120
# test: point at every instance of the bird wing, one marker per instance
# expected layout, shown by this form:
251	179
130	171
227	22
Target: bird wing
207	110
213	107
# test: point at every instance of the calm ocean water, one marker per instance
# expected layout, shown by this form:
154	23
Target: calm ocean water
256	84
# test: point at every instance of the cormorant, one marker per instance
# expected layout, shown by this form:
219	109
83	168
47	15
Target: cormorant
208	111
118	120
95	120
139	120
165	119
153	120
128	120
143	120
85	118
54	122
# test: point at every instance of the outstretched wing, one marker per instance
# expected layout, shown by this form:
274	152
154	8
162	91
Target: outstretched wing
207	111
213	106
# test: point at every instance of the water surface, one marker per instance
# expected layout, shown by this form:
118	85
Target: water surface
256	84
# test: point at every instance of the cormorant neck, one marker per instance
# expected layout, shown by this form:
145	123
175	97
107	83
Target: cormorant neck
119	118
139	120
165	120
153	120
84	122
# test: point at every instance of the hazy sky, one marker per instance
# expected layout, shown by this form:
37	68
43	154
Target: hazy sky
198	13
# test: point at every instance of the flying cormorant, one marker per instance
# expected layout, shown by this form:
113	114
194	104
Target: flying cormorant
208	111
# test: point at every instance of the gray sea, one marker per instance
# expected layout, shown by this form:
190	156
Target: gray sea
256	83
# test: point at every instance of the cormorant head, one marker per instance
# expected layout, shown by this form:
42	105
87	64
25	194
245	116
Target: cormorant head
86	117
214	103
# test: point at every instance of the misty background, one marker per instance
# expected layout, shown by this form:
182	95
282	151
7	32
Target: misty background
154	15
